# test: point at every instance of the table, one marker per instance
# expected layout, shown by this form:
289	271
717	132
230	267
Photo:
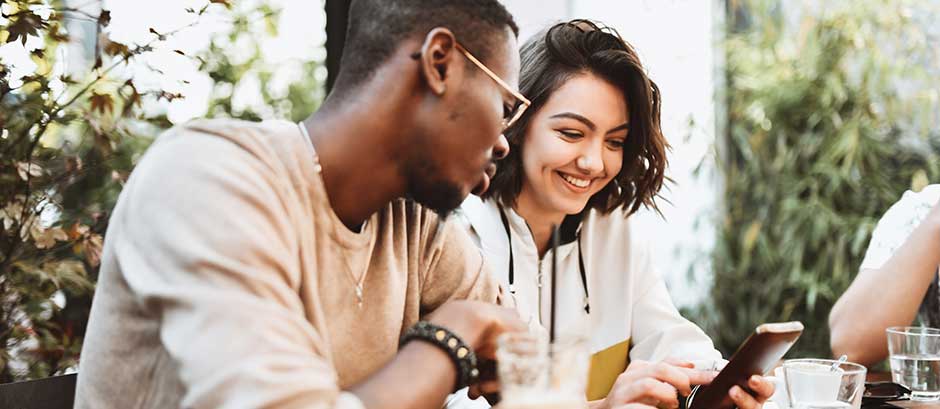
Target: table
886	376
912	404
879	377
903	404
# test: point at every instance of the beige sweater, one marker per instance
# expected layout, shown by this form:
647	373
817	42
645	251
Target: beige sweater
227	280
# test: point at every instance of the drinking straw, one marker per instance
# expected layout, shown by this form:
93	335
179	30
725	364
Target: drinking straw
551	322
551	327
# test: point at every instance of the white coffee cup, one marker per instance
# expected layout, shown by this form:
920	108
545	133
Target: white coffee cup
824	383
813	382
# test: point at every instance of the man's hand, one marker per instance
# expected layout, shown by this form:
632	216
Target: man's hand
479	324
488	385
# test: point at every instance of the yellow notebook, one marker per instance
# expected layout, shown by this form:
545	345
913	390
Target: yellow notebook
606	366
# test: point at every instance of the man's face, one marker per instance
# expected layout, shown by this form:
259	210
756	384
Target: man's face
457	156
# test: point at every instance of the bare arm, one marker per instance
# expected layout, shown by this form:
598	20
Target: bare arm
396	385
858	320
422	375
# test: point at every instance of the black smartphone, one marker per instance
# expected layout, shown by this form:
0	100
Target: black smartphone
756	356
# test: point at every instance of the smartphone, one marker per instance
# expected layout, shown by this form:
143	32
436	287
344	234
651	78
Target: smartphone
756	356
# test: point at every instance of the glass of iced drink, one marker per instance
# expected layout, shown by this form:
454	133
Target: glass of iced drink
534	374
915	360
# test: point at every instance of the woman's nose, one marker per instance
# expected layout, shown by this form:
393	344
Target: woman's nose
590	162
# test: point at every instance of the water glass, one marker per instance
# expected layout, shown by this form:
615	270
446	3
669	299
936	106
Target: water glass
915	360
532	378
824	383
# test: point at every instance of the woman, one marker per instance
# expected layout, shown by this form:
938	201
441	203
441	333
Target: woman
901	266
586	154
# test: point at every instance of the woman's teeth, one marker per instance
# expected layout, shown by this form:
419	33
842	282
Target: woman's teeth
575	181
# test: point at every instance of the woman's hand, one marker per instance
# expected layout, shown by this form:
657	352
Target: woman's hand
762	387
654	385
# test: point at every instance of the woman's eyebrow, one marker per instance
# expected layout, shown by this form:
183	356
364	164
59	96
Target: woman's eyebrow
620	127
576	117
588	122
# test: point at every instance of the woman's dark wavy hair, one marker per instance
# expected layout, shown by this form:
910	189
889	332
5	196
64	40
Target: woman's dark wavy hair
576	47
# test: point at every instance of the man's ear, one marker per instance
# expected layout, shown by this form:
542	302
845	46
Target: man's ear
438	54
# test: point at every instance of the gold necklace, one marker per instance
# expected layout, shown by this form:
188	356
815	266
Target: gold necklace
358	283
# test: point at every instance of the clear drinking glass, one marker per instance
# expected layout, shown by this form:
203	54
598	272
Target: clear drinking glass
531	378
824	383
915	360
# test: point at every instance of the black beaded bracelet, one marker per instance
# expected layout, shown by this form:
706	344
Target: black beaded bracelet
459	352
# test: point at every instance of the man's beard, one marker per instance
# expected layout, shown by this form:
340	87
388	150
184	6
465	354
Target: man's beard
427	188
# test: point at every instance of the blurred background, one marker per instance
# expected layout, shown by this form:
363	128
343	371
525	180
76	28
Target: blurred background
794	126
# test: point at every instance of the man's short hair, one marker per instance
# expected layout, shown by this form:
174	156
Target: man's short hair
377	27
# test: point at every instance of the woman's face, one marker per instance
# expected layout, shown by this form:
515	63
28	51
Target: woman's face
573	146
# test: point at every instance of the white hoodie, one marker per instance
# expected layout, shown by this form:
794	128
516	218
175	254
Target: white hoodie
628	298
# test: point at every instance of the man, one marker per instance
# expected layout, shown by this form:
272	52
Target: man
277	265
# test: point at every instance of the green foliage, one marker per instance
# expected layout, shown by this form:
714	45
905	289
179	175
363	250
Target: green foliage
827	126
292	99
67	144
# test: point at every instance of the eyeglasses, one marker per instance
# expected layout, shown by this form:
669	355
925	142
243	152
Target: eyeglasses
510	114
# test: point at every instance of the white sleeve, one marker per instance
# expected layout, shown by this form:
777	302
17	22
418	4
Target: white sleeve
896	225
658	330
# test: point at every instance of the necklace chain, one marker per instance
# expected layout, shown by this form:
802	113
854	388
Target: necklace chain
357	283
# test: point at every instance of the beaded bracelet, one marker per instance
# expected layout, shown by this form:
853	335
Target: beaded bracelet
460	354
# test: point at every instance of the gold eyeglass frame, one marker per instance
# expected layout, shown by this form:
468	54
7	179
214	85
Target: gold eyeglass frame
524	102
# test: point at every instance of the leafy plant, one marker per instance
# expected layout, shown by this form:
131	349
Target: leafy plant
68	143
831	116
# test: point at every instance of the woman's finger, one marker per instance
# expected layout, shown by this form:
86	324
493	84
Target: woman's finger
679	362
700	377
650	390
677	377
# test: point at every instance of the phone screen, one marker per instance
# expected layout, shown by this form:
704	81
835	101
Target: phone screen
756	356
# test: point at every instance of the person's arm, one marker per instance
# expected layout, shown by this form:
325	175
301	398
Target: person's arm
211	250
422	375
659	331
659	335
887	296
668	340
